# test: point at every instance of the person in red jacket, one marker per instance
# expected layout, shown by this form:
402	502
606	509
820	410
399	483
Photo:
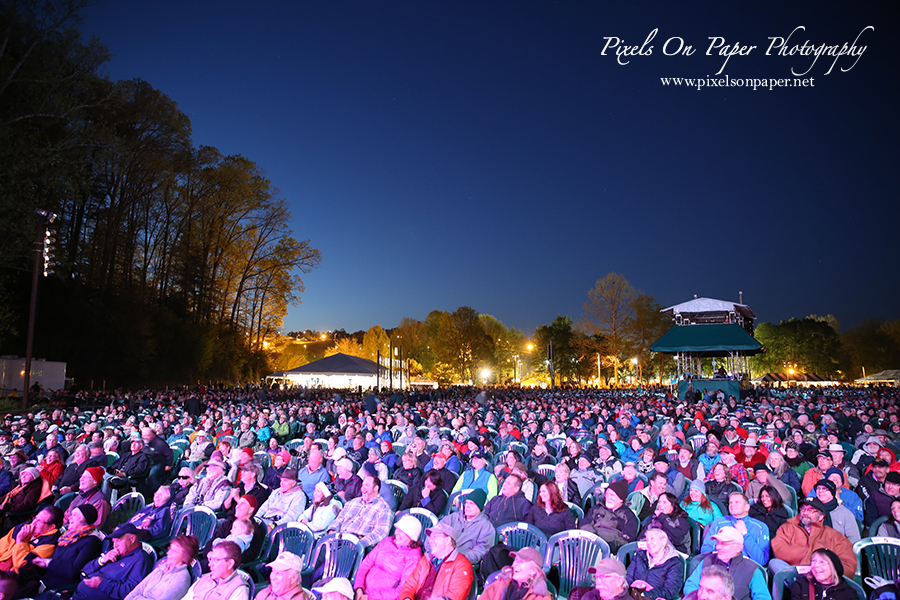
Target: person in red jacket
443	572
800	536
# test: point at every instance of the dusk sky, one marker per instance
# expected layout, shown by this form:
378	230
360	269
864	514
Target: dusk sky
442	154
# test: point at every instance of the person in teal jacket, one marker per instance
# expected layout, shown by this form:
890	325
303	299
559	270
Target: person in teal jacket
478	477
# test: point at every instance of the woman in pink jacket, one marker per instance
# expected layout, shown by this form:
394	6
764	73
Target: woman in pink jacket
383	571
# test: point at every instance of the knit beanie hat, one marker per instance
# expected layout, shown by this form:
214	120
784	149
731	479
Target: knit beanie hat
88	512
479	497
825	483
835	561
620	488
96	473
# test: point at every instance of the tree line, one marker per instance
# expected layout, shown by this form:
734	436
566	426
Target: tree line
172	260
609	344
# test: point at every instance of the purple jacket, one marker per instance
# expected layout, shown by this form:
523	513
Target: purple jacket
384	570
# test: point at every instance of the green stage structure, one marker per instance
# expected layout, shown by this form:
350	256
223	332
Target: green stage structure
705	327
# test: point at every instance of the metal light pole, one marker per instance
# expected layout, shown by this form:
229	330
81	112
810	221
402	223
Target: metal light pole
43	219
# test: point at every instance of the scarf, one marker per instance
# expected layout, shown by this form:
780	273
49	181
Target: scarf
794	462
72	536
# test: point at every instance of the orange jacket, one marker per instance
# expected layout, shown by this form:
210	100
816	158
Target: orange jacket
795	546
454	579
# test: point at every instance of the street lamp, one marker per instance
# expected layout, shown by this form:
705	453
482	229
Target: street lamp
42	248
485	375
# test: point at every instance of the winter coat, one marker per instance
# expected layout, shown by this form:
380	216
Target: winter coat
678	530
25	499
841	591
385	568
617	527
795	546
67	562
501	509
50	472
119	577
454	578
498	588
697	513
475	537
571	493
550	523
843	522
135	466
666	577
772	518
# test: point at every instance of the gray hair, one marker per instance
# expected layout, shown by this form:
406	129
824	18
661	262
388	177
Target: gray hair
722	575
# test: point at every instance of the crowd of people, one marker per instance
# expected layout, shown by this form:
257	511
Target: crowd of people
737	489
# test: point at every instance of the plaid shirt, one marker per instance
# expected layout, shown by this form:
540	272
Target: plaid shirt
739	476
370	521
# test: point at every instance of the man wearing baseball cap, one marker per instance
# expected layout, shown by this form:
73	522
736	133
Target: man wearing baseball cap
755	532
609	581
118	571
801	535
443	572
284	504
285	578
478	477
749	578
212	490
338	588
527	573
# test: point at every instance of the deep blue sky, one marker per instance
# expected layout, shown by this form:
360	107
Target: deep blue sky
477	153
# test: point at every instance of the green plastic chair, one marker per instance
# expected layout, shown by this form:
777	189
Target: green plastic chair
344	553
288	537
880	555
518	535
783	579
576	551
577	511
873	528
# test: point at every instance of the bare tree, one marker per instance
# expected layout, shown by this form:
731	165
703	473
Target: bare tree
609	311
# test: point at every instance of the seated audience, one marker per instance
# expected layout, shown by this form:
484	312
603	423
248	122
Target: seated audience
171	578
385	569
443	572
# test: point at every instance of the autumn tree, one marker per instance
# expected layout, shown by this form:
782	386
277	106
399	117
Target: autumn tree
871	346
609	311
461	342
348	346
808	345
412	336
561	333
506	347
647	325
375	342
175	262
